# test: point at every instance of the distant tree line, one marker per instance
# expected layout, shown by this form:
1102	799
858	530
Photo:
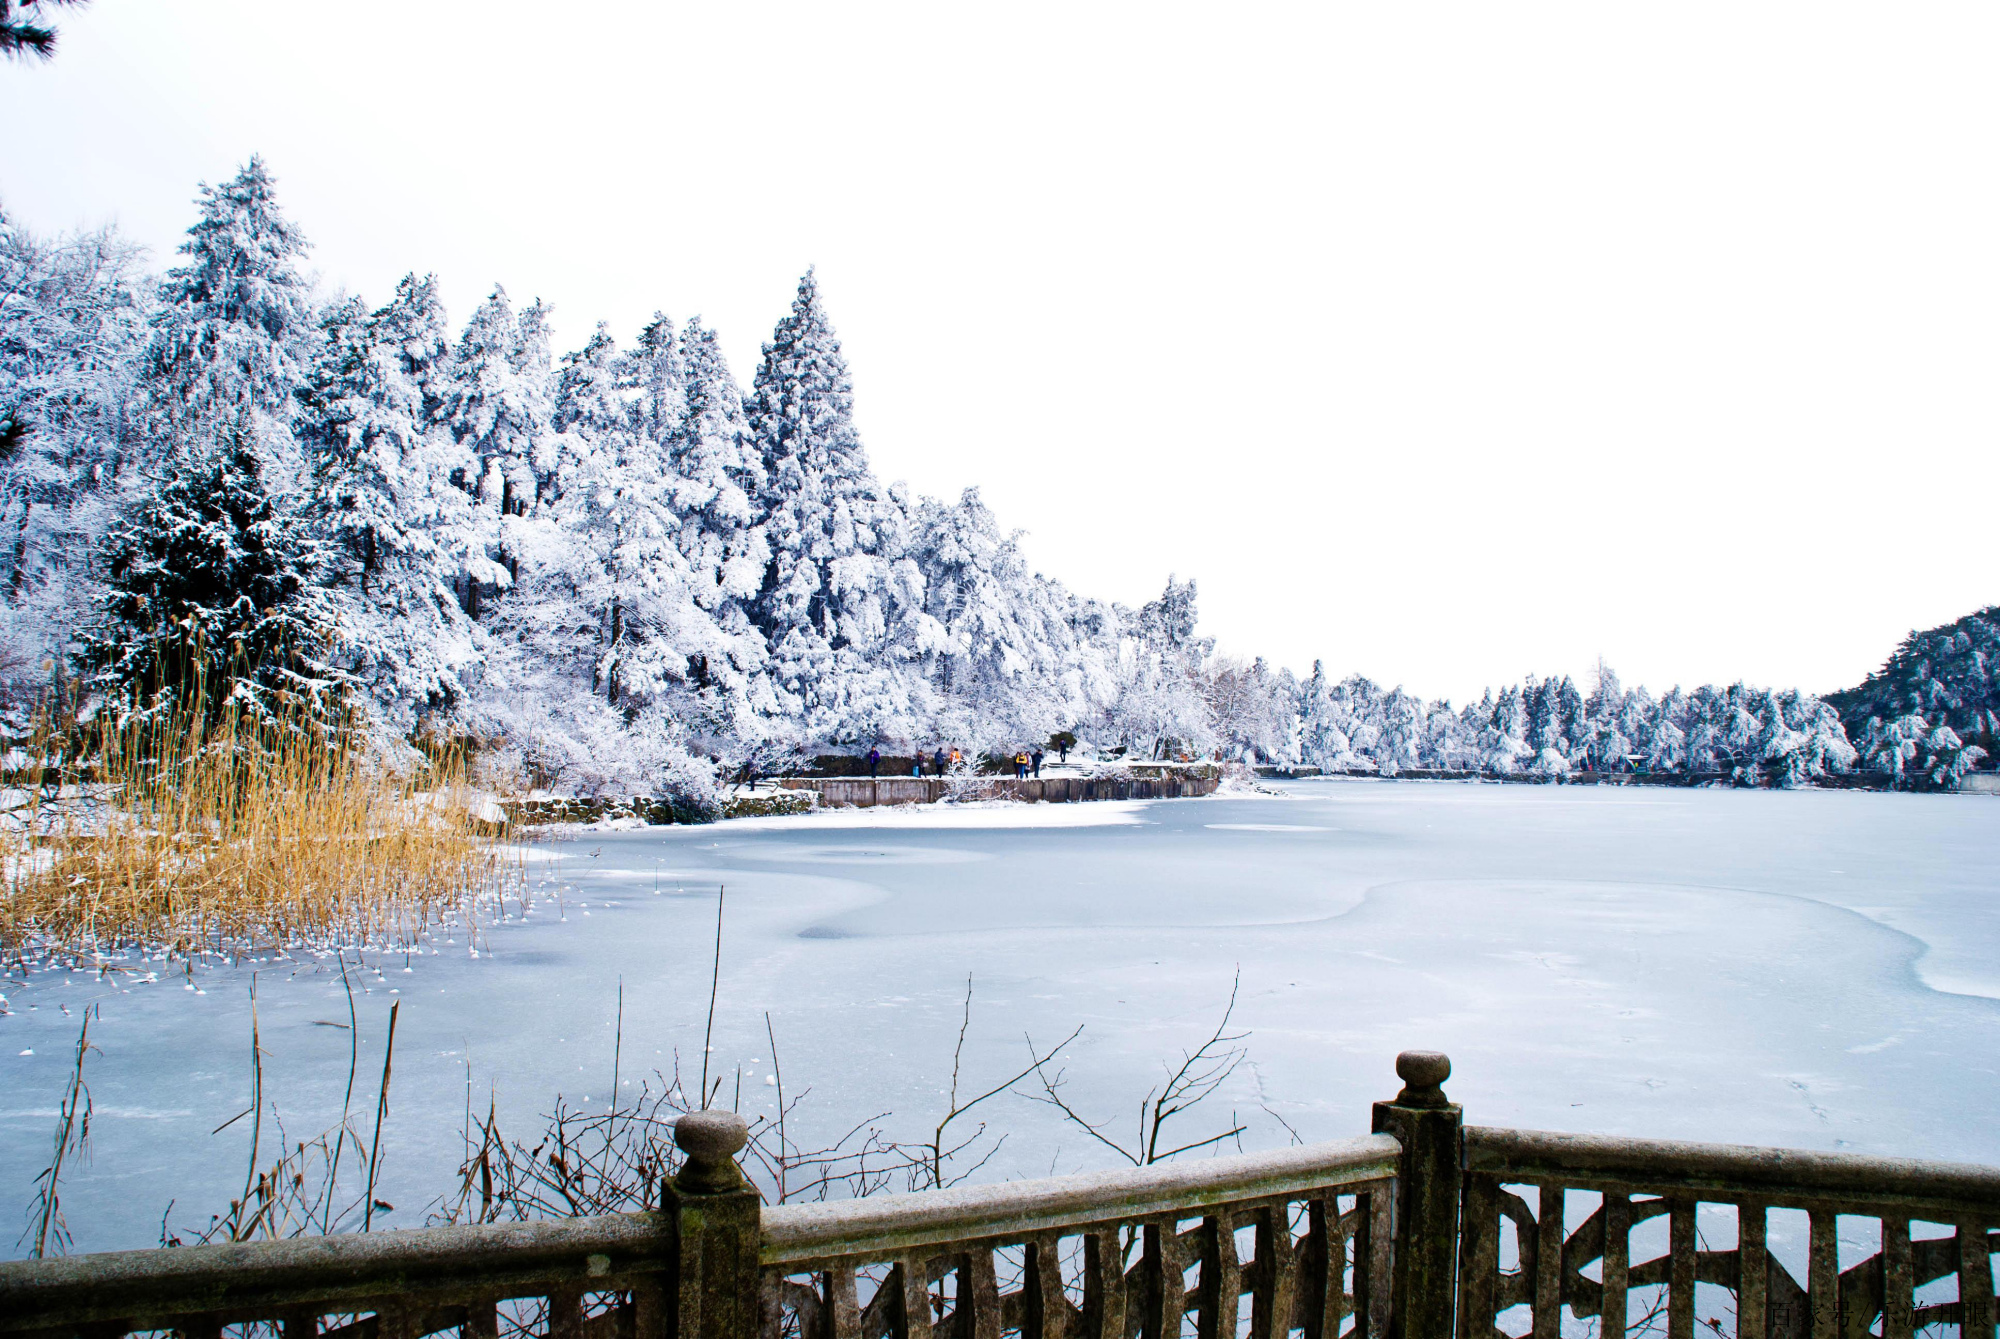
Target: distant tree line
626	571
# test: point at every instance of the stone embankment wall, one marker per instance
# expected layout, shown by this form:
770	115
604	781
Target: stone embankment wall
865	793
591	810
787	795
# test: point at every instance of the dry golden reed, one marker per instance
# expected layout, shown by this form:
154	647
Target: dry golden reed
169	837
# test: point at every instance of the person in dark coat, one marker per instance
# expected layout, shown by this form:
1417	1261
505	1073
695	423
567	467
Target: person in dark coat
1036	758
938	760
874	762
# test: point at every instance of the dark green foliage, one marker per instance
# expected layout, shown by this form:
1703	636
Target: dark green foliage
214	604
19	37
1949	675
1545	726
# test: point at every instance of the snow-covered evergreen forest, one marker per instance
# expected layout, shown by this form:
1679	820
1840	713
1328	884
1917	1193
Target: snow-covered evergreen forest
622	569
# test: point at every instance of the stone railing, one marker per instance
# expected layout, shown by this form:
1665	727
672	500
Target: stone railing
1422	1230
1096	1257
1632	1181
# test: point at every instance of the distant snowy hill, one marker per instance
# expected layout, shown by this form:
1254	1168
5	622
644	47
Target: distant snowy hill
1946	676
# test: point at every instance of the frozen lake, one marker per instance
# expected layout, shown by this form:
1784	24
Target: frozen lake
1819	970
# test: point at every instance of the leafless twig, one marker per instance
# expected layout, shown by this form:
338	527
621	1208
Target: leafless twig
1201	1073
932	1174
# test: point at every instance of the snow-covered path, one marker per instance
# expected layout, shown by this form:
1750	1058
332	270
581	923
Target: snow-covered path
1812	969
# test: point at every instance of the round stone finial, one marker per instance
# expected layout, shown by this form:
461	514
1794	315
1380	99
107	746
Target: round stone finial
711	1140
1423	1074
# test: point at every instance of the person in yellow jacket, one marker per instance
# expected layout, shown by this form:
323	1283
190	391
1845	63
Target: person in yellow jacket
1021	765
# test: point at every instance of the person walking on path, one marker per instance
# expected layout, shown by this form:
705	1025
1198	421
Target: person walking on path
1037	759
1021	766
938	760
874	762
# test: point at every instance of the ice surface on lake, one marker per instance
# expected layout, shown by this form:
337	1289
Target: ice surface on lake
1819	970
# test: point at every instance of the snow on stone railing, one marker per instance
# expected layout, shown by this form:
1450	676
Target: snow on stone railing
1423	1230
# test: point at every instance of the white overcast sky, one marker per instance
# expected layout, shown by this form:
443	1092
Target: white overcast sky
1447	342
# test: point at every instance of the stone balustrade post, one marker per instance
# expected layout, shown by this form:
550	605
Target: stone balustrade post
1423	1292
712	1221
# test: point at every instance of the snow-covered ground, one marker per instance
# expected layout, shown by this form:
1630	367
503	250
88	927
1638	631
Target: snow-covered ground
1811	969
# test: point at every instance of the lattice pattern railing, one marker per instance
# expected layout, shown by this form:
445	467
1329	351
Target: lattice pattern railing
585	1278
1425	1231
1594	1195
1302	1234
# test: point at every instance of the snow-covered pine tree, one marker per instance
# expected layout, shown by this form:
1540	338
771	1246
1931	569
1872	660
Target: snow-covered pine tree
589	675
1706	715
1161	707
1947	758
1002	651
1574	720
498	404
1780	749
1601	741
1093	667
655	646
1278	739
1322	743
1447	743
836	605
1400	739
214	605
716	474
381	491
1803	739
1474	731
1253	708
1343	724
1543	702
1666	743
1893	746
72	332
1504	747
233	328
1740	733
1827	749
601	578
1636	719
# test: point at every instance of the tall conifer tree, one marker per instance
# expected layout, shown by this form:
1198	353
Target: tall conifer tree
234	326
214	602
381	492
835	599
